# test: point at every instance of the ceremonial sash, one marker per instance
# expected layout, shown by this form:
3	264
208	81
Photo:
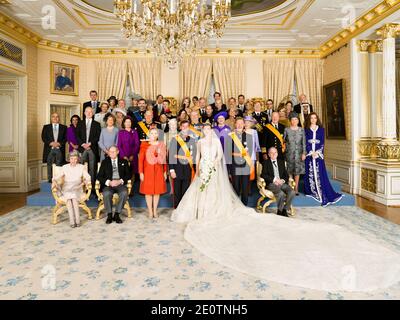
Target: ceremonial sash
195	131
278	135
144	128
243	152
187	156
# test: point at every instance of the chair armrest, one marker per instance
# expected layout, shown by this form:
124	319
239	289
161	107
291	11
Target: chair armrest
54	191
97	187
292	183
261	183
87	192
129	186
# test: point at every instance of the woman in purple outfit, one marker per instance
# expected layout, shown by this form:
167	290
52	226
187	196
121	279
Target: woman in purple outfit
128	144
71	133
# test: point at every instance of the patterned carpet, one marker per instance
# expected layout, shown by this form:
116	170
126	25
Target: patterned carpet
143	259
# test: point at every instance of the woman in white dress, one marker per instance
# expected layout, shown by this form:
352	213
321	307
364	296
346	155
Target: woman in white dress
296	252
74	174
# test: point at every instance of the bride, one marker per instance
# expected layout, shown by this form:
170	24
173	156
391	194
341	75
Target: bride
296	252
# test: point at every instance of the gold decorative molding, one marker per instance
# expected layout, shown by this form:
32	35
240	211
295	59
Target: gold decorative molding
368	148
366	21
389	30
364	45
368	180
370	46
389	150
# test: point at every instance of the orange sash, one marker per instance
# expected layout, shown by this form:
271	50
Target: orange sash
144	128
243	153
278	135
185	149
195	131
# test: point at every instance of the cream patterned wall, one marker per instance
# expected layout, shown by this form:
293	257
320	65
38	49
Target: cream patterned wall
86	83
338	66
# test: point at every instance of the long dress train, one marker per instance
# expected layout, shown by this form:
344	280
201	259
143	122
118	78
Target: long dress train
307	254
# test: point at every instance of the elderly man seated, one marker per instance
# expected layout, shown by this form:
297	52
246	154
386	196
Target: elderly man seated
276	179
113	176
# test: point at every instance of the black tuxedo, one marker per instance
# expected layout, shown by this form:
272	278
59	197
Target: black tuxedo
106	171
47	138
94	136
181	166
89	104
156	113
269	139
223	108
205	117
268	171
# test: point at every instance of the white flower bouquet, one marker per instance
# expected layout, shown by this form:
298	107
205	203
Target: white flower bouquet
206	171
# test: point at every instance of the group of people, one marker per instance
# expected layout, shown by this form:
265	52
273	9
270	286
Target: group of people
147	142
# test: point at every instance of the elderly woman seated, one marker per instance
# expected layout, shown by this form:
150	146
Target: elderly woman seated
73	174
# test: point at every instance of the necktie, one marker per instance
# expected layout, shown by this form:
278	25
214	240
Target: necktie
55	132
88	124
274	162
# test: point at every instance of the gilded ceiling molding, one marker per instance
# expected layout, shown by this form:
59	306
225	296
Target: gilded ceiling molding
389	30
366	21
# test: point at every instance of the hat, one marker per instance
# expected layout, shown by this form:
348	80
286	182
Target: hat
250	118
293	115
220	114
119	110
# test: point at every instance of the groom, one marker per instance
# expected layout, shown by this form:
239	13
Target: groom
276	179
241	164
182	155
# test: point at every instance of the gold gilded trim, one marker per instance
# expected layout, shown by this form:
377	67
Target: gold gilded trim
366	21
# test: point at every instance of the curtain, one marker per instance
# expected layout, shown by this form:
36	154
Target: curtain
229	76
309	77
111	78
145	77
278	78
195	77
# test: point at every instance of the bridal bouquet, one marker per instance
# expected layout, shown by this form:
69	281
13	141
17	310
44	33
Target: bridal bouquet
206	171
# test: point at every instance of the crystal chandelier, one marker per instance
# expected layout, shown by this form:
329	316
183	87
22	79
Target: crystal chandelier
173	28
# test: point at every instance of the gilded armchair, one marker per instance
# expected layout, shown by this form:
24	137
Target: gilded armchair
61	204
267	194
114	200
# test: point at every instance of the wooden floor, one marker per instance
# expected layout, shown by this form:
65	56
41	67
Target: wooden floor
11	201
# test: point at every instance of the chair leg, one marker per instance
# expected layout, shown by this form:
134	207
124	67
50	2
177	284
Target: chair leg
99	209
259	201
292	212
87	210
266	205
54	215
128	209
57	212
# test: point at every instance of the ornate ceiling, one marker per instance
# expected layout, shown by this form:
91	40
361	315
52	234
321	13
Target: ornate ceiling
255	24
239	7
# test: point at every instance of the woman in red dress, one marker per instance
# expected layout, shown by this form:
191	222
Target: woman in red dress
153	171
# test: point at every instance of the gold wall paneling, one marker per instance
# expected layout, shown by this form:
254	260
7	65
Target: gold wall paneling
368	180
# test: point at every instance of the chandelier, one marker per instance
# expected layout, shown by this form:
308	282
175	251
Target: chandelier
173	28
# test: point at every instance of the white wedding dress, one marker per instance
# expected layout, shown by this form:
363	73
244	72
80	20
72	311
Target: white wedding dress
307	254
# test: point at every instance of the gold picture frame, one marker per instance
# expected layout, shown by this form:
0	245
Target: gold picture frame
335	110
64	78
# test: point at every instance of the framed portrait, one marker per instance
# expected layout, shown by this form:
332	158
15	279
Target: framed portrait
64	78
334	111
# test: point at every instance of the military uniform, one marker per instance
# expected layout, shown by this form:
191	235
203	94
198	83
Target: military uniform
238	166
142	134
269	139
179	163
198	127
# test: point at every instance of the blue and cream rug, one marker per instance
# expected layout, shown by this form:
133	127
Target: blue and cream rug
144	259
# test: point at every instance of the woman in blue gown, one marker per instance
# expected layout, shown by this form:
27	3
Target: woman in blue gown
316	180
